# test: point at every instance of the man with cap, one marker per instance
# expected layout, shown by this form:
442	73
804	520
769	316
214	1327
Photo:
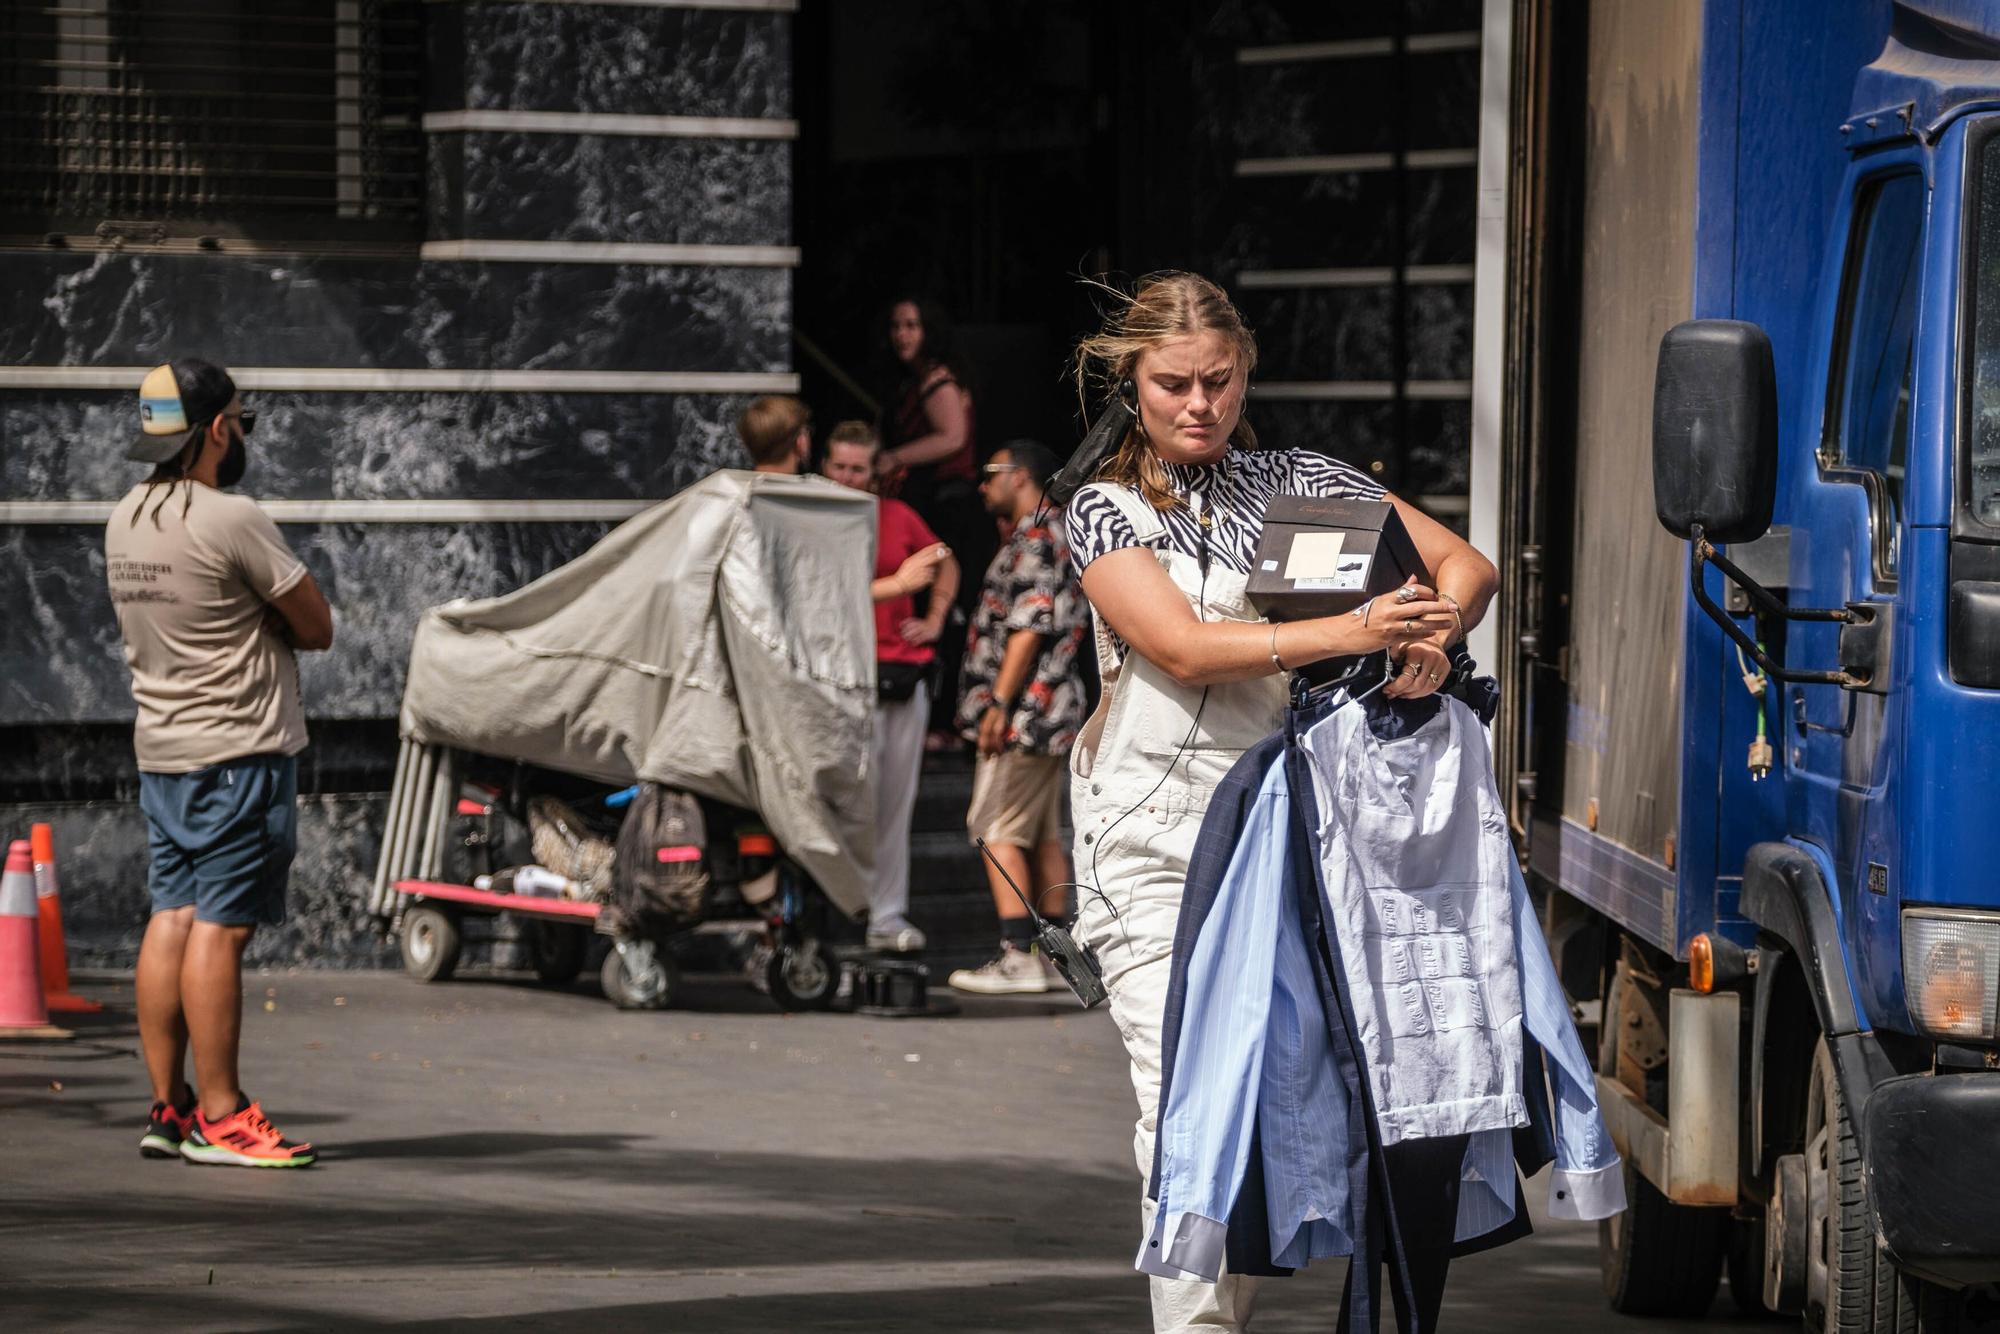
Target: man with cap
1021	704
212	606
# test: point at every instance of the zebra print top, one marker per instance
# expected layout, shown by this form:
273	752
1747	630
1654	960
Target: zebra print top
1234	491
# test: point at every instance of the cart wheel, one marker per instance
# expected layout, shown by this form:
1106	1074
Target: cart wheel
430	944
802	977
556	951
636	976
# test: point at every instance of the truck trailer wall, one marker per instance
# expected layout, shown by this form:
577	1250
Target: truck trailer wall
1621	761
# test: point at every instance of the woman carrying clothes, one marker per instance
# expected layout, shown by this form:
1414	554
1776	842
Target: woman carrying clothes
1193	676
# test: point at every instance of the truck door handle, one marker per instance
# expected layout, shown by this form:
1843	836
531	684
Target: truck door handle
1802	725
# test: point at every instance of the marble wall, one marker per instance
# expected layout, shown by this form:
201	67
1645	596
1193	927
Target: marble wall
626	60
598	187
113	308
395	446
65	706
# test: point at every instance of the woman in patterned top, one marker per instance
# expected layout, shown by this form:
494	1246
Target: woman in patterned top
1193	676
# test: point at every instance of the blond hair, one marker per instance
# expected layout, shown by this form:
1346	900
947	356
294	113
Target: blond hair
1166	306
770	426
853	433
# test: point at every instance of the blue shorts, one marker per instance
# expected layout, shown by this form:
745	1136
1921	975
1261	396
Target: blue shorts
223	837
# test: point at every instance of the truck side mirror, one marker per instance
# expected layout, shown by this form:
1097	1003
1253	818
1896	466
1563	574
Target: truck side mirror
1715	431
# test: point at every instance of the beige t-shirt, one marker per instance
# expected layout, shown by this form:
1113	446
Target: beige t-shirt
191	589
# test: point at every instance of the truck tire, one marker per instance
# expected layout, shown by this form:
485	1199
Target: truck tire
1851	1287
1658	1257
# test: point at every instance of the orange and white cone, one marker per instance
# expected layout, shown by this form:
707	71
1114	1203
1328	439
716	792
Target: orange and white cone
23	1013
48	912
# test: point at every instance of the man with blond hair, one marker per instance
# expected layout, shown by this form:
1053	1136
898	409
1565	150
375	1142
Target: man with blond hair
776	431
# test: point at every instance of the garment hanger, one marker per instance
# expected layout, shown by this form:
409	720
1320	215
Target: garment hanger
1305	692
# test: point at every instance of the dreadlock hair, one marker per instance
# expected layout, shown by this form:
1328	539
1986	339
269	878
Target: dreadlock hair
205	391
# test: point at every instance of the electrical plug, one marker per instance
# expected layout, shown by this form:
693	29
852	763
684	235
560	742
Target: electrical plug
1761	758
1754	683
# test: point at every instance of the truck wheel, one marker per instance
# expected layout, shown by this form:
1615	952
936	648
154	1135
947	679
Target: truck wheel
1658	1257
556	951
431	943
639	977
1851	1287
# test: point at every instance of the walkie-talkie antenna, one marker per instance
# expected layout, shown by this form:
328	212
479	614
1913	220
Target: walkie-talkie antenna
987	852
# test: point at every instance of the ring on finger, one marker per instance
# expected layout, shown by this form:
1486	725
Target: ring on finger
1406	593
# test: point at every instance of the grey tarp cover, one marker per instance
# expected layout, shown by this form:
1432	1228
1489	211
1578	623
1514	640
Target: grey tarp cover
722	641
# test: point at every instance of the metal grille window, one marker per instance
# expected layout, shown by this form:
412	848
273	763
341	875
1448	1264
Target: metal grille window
212	111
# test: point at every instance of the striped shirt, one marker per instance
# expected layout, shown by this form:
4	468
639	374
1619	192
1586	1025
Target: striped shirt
1234	491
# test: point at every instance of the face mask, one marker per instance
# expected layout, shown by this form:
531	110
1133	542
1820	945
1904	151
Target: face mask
230	471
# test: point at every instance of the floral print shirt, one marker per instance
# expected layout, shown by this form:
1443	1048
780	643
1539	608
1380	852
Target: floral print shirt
1029	586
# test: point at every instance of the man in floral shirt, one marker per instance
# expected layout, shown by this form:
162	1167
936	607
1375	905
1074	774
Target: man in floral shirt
1021	702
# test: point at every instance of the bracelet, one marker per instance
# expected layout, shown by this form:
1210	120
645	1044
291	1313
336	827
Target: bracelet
1276	662
1457	614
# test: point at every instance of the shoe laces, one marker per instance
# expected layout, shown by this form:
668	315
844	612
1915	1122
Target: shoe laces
257	1123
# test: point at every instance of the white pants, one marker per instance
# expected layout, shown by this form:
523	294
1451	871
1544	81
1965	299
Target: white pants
1141	867
899	759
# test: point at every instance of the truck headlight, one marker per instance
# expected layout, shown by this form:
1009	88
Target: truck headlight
1951	971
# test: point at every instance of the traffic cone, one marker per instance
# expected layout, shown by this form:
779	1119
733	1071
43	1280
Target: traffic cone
48	911
23	1013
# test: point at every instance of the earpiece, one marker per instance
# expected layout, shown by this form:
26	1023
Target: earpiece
1129	392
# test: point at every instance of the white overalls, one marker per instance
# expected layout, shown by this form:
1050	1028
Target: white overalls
1132	866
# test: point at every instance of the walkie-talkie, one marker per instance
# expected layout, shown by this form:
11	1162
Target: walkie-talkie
1075	962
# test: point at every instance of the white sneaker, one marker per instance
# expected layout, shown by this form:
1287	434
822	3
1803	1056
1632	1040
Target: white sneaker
895	935
1016	972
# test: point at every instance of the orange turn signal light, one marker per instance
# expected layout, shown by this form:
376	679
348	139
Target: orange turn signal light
1716	961
1701	964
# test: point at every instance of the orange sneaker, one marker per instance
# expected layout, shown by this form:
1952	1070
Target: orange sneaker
243	1139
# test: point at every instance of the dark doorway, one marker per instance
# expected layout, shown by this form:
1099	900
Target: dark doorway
946	152
1315	159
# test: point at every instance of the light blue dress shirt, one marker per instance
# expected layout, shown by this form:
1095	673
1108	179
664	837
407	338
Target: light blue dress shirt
1254	1046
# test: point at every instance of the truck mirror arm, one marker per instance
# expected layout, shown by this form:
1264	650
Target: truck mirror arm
1702	552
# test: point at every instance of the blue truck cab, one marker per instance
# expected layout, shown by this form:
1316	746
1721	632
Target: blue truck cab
1757	761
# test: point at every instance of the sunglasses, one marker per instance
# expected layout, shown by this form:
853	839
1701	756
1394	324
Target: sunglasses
995	469
247	419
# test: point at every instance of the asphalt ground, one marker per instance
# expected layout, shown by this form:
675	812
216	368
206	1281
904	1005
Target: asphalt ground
494	1153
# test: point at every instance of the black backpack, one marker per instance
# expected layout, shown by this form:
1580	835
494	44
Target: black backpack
661	879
